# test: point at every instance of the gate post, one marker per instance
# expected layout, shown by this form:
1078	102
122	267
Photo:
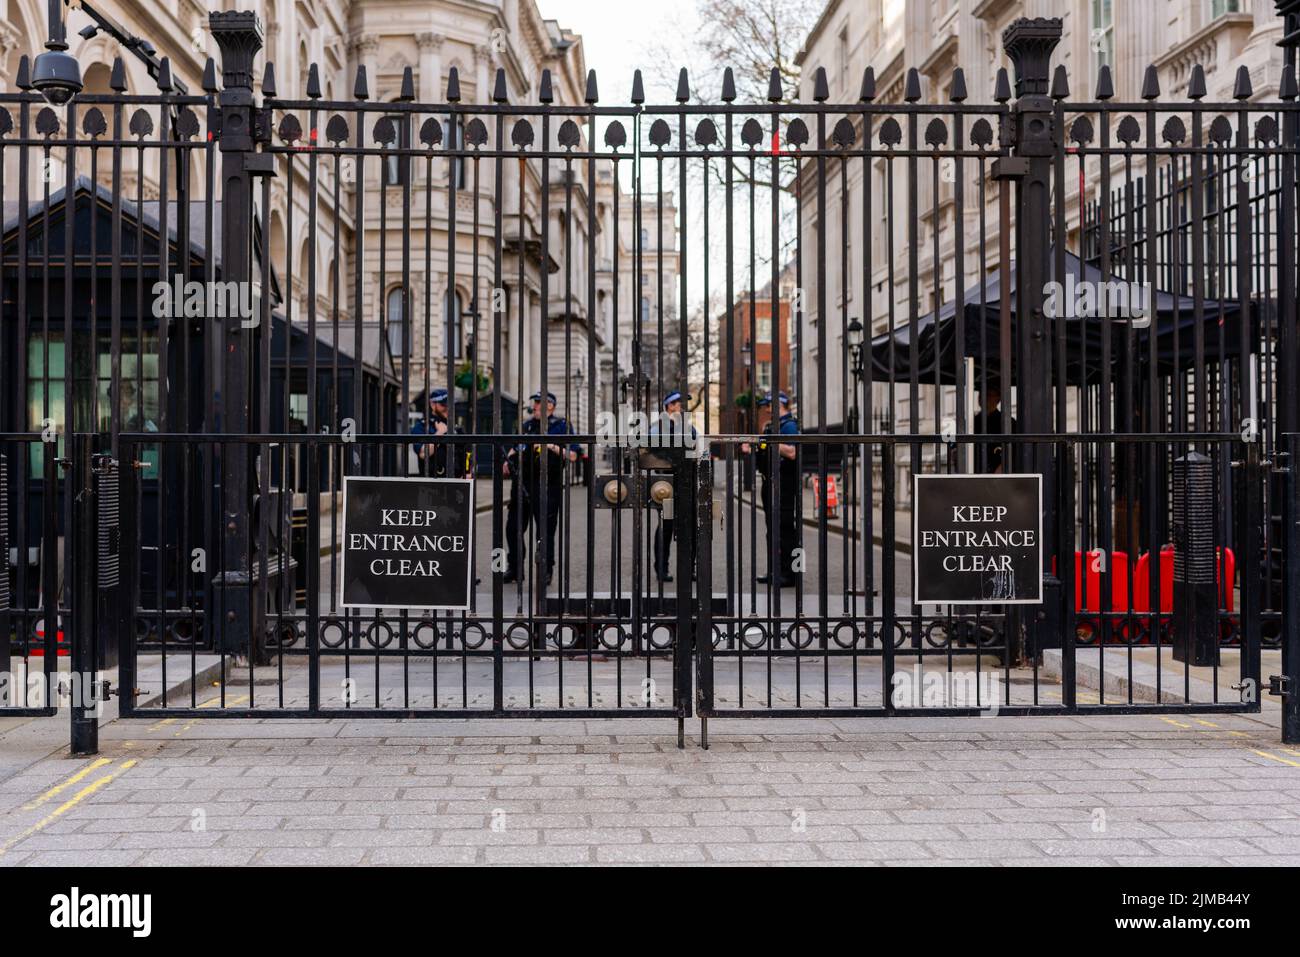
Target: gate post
703	531
83	685
1288	386
239	37
1029	44
685	528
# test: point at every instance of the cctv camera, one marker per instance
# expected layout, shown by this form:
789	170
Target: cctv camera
56	75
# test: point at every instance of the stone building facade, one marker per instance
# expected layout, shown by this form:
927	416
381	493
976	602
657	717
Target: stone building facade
936	36
447	305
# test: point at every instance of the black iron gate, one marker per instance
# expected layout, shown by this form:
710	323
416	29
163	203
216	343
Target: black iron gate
275	311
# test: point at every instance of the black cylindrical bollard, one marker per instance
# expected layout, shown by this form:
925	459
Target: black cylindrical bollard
1196	600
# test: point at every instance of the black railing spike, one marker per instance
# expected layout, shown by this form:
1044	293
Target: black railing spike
499	92
1150	83
957	91
1060	83
1196	83
408	86
912	86
821	86
545	93
1002	86
728	85
453	85
1287	87
209	76
1105	85
683	86
638	88
117	79
360	91
1241	89
165	75
593	94
313	82
868	91
775	94
24	81
268	80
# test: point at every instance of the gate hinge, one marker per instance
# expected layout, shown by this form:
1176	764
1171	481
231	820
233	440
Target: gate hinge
1279	685
262	123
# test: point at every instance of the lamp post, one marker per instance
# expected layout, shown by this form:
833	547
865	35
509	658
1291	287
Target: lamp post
854	339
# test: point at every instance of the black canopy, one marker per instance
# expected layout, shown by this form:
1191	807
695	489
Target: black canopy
1083	336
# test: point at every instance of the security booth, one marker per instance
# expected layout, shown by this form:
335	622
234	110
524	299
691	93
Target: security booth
1157	507
94	332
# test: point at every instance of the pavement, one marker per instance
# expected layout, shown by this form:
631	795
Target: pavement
1110	790
249	788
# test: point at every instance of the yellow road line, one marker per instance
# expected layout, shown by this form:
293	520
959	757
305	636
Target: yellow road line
92	766
66	806
1208	724
1274	757
1176	724
162	724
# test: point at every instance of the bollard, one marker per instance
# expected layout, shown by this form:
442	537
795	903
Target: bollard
1196	599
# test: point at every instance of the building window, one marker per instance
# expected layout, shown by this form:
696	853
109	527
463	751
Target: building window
765	375
395	315
645	238
454	137
137	396
397	168
645	309
1101	34
452	310
1219	7
763	327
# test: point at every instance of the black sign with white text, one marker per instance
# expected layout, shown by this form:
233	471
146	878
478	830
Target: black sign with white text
977	539
407	543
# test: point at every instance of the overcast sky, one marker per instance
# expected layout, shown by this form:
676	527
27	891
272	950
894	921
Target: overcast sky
620	36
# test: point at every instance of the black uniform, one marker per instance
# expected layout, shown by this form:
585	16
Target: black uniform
532	464
784	520
439	455
663	541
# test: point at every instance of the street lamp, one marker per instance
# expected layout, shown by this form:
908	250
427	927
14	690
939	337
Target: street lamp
855	337
56	74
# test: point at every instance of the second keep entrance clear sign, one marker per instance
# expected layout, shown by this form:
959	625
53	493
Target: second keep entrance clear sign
977	539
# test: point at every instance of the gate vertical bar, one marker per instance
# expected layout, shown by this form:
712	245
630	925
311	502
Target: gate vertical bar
1288	387
1029	44
239	36
85	579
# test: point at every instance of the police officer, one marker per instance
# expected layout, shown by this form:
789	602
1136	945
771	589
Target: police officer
531	464
788	471
437	456
672	424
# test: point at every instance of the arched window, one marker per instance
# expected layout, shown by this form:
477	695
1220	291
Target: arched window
453	310
398	344
397	168
454	138
645	238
